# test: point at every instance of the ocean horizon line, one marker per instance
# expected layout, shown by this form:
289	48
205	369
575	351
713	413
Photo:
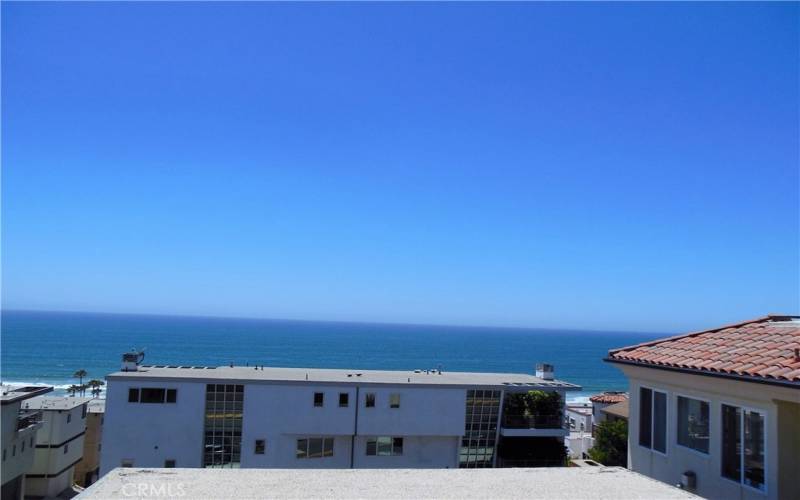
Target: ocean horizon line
656	334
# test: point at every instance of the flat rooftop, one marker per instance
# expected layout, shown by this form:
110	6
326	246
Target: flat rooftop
250	374
550	483
54	403
14	393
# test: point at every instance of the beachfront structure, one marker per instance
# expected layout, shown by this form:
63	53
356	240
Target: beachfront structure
59	444
88	469
718	410
579	422
19	429
603	400
263	417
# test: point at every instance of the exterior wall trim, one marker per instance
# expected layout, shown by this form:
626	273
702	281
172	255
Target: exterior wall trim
73	438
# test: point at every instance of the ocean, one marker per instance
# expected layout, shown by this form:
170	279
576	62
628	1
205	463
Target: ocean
48	347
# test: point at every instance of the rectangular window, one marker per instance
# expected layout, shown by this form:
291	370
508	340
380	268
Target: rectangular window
152	395
315	447
83	411
69	417
369	400
260	446
743	443
172	395
344	399
693	424
394	401
385	446
653	419
169	463
133	395
223	426
66	448
319	398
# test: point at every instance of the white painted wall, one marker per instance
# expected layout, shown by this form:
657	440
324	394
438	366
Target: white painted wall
423	412
421	452
668	468
58	426
150	433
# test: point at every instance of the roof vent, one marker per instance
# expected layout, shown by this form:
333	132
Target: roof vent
132	360
545	371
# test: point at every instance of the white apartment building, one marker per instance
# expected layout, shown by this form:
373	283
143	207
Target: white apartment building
262	417
718	410
59	444
18	437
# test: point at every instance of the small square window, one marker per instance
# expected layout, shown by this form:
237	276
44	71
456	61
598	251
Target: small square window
344	399
319	398
169	463
394	401
369	400
133	395
260	446
172	395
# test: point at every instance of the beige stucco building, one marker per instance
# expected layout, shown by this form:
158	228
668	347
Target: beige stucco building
718	411
87	470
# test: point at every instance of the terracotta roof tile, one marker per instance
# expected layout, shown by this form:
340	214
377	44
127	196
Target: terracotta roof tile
763	348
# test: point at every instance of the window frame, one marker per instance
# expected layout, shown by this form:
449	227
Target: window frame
740	482
653	391
370	399
372	442
344	399
174	393
677	424
321	399
131	392
306	454
155	389
167	463
392	397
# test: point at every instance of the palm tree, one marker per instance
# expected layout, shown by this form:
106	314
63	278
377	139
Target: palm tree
73	389
95	385
79	375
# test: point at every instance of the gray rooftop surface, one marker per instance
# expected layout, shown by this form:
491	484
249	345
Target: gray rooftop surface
551	483
249	374
54	403
14	393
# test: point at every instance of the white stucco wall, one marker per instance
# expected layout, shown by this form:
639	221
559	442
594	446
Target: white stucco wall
150	433
678	459
58	462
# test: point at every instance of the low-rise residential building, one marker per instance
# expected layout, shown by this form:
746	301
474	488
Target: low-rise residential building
718	410
579	417
59	444
617	411
19	429
603	400
264	417
88	469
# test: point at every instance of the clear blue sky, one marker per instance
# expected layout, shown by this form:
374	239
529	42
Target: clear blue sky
608	166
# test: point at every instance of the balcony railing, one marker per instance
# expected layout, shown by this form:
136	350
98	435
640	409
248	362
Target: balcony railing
28	419
534	422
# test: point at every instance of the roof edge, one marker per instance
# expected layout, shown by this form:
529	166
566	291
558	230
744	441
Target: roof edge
761	319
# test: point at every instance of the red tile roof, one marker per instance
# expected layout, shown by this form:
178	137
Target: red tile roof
764	349
609	397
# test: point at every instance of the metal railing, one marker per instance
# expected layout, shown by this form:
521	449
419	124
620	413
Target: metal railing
28	419
534	422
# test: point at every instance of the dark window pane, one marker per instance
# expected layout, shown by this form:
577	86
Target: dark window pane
260	446
344	399
645	417
169	464
754	449
318	398
693	424
172	395
371	447
384	446
397	446
394	401
660	422
370	400
133	395
327	446
150	395
302	448
731	442
315	448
